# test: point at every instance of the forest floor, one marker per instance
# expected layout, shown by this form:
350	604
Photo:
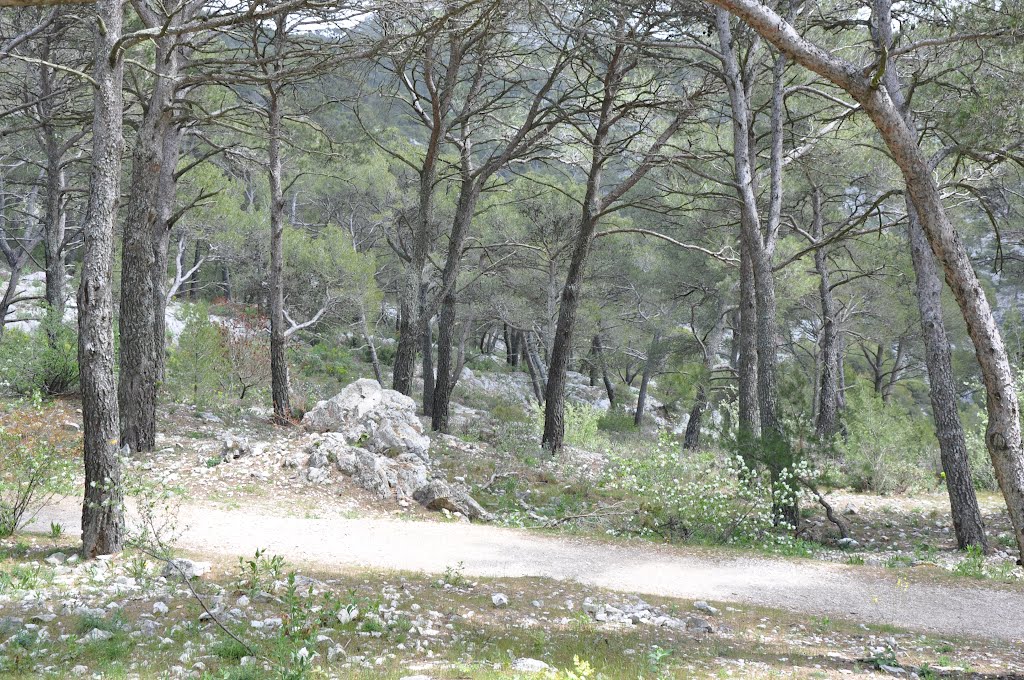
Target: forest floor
900	604
914	600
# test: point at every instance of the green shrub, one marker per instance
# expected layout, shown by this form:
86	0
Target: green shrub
581	426
198	367
44	361
699	498
385	353
616	420
32	473
325	360
886	450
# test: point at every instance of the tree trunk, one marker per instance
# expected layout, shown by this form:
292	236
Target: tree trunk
777	451
650	366
827	421
554	395
1003	435
533	366
374	360
429	379
103	529
749	425
967	521
56	216
609	387
278	356
712	346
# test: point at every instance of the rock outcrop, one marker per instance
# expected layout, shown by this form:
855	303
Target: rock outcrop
372	436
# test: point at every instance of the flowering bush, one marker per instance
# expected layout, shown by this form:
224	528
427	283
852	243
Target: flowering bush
32	473
700	498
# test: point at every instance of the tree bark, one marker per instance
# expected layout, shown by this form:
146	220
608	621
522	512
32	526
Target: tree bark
278	354
749	418
968	525
1003	434
103	528
650	366
827	420
777	451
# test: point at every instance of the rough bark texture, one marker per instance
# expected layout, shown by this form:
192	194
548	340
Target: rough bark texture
102	509
968	524
749	419
56	217
278	338
827	421
1003	434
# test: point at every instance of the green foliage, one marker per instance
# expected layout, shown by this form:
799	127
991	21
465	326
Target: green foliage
325	360
982	472
699	498
886	450
582	426
616	420
44	361
196	367
32	472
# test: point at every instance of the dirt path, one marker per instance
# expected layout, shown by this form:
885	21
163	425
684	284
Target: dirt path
816	588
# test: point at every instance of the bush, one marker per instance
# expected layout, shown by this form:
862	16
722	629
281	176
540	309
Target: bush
616	420
886	450
385	353
31	474
326	360
44	361
196	367
699	498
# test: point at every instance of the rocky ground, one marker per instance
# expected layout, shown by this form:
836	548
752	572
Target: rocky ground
135	616
365	454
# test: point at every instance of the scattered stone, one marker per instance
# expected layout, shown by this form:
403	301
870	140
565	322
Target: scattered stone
79	670
440	495
499	600
701	605
233	449
56	559
96	635
696	625
160	608
847	543
69	426
187	569
530	666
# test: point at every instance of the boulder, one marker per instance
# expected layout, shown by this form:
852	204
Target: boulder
385	477
367	415
440	495
185	569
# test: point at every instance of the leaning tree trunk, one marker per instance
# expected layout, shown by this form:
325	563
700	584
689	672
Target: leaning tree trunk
597	349
967	521
1003	434
775	448
103	529
278	338
469	192
968	525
